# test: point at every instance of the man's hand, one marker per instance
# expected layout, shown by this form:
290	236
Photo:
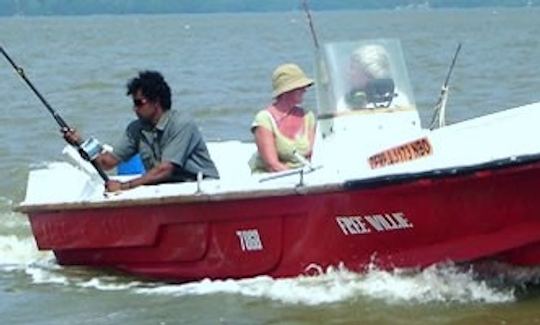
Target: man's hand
115	186
155	175
71	136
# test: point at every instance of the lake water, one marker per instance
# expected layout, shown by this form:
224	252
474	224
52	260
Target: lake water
219	68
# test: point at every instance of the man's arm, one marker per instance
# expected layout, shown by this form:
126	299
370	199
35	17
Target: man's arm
107	160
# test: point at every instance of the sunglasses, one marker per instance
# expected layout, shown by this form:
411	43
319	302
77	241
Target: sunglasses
138	102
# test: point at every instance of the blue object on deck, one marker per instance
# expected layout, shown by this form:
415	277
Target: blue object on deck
131	167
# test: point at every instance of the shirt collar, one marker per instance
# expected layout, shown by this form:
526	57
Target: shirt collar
163	120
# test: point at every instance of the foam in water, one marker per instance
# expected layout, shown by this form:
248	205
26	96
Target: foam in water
17	247
442	283
41	274
45	271
9	219
18	252
435	284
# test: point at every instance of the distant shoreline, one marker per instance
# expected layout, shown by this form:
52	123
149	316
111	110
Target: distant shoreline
10	8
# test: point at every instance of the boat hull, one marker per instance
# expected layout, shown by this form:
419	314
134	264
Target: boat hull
402	221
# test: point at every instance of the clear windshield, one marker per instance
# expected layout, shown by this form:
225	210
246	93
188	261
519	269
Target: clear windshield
363	75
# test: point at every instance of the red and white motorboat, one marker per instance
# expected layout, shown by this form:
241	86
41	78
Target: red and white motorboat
380	189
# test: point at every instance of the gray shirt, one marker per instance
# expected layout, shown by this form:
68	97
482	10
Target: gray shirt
175	138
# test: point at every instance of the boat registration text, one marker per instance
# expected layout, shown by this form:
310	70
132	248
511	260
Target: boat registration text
406	152
360	225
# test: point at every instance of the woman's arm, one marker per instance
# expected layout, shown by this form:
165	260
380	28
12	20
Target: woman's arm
311	135
267	150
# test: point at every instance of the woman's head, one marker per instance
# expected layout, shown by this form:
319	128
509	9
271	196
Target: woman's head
288	77
369	62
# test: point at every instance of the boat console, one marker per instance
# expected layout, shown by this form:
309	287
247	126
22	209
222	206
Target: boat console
365	101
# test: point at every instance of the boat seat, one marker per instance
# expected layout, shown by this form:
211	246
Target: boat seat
133	166
231	159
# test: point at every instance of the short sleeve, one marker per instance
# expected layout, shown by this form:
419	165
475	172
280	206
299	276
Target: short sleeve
310	118
263	119
181	144
127	146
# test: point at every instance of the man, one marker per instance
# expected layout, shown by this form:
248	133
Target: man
170	145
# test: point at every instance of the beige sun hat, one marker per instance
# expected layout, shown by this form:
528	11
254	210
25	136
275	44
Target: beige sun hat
288	77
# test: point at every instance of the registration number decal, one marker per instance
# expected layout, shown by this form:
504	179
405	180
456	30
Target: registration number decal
249	240
406	152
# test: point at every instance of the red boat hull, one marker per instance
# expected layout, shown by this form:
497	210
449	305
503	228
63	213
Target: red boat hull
401	221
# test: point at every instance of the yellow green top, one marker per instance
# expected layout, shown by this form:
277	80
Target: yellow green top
285	146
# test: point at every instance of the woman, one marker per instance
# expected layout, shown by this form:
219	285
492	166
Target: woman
284	130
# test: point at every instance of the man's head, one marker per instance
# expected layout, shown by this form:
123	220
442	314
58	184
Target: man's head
151	95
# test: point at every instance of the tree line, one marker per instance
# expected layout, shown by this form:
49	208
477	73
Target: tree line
85	7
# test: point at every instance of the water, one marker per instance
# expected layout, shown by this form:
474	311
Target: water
219	67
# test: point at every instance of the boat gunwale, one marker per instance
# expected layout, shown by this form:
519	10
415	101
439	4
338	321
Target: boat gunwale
368	183
448	172
183	199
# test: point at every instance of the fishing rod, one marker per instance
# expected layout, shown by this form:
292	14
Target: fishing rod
311	25
86	149
440	106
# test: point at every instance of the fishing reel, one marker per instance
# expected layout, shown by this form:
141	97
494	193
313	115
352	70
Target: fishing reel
90	149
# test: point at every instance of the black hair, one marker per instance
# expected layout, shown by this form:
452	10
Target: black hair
152	86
